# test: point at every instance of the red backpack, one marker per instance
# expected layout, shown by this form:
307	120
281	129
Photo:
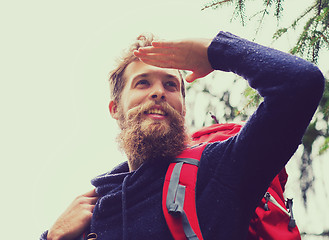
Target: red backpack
273	219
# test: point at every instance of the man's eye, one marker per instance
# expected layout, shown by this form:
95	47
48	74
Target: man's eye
142	82
171	84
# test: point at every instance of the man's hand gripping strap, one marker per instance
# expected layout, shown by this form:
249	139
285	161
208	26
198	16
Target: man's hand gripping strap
178	201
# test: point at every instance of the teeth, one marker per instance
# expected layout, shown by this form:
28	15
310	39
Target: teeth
156	111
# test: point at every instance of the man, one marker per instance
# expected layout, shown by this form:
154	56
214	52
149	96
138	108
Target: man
148	103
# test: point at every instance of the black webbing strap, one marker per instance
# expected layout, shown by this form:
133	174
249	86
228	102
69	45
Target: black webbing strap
176	196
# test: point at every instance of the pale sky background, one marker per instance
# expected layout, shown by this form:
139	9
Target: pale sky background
56	132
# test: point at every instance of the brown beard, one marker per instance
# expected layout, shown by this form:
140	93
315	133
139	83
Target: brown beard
144	139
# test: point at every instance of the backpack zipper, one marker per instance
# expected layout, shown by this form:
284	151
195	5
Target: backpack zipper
269	198
292	222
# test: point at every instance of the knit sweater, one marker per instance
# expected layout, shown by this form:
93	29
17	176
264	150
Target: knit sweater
234	174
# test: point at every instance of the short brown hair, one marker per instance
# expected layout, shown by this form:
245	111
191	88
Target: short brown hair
117	82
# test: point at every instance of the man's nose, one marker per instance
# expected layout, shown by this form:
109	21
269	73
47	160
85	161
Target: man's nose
158	92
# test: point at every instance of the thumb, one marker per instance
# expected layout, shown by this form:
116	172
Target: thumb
192	77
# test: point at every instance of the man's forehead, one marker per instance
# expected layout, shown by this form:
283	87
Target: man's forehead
140	69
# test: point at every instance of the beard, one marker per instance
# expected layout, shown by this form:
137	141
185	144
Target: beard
147	140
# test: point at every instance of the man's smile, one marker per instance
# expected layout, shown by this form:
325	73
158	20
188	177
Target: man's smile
156	113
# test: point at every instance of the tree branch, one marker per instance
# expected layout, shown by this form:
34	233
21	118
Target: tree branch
215	4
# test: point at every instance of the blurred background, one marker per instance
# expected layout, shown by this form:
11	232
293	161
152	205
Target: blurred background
56	132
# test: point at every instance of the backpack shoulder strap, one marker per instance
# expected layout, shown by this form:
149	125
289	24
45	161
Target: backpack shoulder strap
178	198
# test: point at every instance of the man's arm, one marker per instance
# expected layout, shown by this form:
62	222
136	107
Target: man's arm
76	218
291	87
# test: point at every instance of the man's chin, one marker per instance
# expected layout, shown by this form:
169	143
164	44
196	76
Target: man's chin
146	139
155	128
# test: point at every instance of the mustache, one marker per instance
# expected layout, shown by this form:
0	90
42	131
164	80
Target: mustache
138	111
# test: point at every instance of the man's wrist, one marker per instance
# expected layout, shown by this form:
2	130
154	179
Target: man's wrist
53	235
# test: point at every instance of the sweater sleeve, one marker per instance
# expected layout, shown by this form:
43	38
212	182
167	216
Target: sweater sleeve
44	235
291	88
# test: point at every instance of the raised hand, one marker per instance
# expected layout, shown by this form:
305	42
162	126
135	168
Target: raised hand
188	55
75	219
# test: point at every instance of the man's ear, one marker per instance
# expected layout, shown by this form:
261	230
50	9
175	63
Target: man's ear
113	107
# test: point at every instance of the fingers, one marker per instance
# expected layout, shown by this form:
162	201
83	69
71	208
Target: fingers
91	193
154	56
164	44
158	58
90	209
163	54
92	200
165	48
178	44
153	50
188	55
75	218
157	63
192	77
164	58
90	197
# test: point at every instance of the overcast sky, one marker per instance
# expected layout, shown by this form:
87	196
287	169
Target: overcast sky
56	132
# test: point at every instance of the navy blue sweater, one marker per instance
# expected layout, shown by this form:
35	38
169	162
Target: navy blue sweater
234	174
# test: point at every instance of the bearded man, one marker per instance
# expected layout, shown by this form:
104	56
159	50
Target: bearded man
148	104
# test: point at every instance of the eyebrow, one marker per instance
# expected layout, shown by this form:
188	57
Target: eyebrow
145	75
148	74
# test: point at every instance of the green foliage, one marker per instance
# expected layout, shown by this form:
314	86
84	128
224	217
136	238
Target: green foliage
325	146
279	33
240	7
315	33
216	4
254	99
314	36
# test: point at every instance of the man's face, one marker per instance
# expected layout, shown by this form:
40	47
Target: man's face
151	114
146	84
